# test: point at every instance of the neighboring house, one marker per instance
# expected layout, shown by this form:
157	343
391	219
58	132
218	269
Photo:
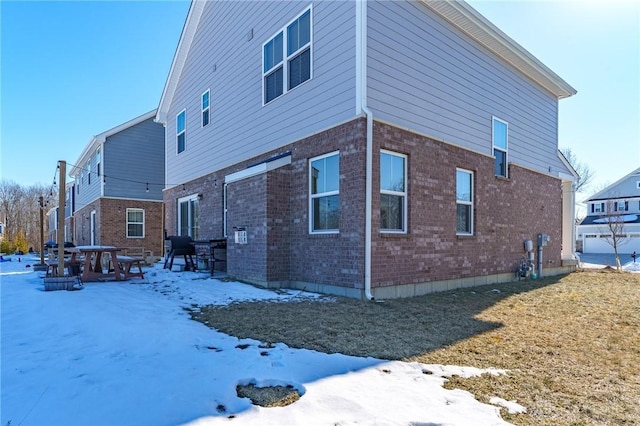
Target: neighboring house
375	148
621	201
118	182
52	217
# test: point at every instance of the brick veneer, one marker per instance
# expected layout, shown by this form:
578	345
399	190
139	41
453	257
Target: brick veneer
111	224
274	208
506	212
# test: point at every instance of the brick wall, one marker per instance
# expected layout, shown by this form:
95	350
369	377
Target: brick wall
274	208
507	211
331	259
111	224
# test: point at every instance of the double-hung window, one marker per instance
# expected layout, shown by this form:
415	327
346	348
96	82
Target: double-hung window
98	162
205	108
621	206
135	223
500	135
464	202
393	192
324	193
181	130
286	58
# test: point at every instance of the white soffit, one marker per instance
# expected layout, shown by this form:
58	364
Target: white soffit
476	26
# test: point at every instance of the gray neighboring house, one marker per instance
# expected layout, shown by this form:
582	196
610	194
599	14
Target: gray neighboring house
620	200
118	181
366	149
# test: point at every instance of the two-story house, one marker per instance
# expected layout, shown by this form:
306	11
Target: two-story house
618	203
364	148
69	208
118	182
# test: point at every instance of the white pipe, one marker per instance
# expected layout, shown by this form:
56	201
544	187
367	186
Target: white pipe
361	66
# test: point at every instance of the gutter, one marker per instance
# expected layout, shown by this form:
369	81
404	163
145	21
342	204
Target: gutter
361	107
368	197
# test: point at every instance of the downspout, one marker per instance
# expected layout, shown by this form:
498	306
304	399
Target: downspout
361	98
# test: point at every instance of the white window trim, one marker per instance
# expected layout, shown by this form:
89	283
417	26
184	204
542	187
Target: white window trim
404	195
286	57
505	150
188	198
321	195
466	203
184	131
143	222
207	109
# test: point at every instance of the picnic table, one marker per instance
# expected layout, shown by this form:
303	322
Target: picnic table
93	269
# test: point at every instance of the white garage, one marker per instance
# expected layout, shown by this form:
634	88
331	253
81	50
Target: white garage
598	243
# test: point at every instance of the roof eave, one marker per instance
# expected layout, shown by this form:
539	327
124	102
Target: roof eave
471	22
96	140
179	59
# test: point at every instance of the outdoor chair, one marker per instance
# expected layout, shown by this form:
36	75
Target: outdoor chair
181	246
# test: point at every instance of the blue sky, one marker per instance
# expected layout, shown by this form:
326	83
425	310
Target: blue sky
70	70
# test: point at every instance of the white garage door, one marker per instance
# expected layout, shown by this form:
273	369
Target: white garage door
595	243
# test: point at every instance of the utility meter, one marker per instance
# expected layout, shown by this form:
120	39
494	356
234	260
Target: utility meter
543	240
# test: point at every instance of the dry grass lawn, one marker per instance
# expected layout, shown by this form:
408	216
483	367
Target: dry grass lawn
571	344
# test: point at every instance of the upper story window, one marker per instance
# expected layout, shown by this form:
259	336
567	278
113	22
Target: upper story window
500	136
135	223
597	208
205	108
98	162
393	192
181	130
286	58
464	202
324	193
621	206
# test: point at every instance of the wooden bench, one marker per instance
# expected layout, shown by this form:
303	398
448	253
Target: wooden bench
127	262
145	256
74	268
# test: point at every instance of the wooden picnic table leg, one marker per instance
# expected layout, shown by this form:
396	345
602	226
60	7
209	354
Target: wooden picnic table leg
87	267
116	266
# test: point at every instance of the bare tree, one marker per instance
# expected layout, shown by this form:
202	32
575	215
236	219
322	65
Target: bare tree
613	228
585	173
20	211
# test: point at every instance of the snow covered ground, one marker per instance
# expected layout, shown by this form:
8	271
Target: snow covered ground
128	354
599	261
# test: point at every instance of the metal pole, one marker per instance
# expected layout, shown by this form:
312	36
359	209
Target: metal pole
61	196
41	202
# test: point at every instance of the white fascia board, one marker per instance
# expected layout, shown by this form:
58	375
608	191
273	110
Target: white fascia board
564	176
102	137
471	22
258	169
179	59
99	139
598	195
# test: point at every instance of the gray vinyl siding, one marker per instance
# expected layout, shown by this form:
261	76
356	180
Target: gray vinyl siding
425	75
223	59
133	157
87	192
